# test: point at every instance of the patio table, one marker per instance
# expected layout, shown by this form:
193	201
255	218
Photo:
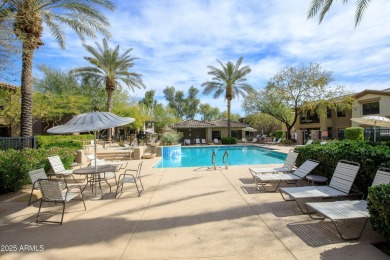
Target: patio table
93	175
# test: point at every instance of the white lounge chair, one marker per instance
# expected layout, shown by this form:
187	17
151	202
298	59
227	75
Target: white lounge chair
58	167
254	140
204	141
197	141
289	178
288	165
310	141
277	142
339	186
340	212
187	142
216	141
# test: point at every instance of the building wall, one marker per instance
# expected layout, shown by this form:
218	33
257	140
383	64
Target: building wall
384	105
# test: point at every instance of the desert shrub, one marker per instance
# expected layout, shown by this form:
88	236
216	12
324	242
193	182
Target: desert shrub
15	165
379	208
369	155
170	138
354	133
228	140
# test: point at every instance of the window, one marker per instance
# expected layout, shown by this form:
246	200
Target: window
370	108
236	134
329	113
341	113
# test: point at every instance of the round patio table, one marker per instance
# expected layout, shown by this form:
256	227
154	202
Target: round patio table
93	175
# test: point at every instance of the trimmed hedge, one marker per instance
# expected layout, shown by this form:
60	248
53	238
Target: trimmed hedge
369	155
62	140
279	134
379	208
354	133
228	140
15	165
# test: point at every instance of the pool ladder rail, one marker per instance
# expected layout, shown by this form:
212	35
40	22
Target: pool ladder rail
225	160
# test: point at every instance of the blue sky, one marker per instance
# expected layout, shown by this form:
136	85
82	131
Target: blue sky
175	41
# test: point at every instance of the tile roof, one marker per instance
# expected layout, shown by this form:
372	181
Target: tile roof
192	124
205	124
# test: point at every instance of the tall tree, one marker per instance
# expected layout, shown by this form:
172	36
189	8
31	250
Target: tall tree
229	80
264	123
208	113
292	90
184	107
323	7
148	101
29	16
111	69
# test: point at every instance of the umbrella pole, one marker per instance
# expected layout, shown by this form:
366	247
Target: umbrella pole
94	141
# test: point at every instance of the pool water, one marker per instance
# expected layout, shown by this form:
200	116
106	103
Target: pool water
202	156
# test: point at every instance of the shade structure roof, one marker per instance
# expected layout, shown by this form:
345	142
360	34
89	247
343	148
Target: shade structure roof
92	121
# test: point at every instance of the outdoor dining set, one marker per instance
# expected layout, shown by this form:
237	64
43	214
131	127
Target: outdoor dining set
56	187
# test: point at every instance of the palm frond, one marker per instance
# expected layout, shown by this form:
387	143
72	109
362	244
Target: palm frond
361	7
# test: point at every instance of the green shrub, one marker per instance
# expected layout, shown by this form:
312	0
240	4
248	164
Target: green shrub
49	140
354	133
279	134
15	165
379	208
369	155
170	138
228	140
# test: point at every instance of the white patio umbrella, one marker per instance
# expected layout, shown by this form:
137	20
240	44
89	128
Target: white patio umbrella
93	121
373	121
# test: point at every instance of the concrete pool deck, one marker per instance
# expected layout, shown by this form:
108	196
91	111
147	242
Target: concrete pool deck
181	214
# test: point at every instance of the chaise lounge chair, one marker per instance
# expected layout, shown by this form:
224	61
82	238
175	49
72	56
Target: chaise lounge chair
288	165
59	169
204	141
340	186
289	178
341	213
274	143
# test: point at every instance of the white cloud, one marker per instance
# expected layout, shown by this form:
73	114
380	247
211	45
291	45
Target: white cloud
176	40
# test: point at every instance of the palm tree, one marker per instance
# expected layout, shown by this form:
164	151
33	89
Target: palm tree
229	80
324	5
29	16
111	69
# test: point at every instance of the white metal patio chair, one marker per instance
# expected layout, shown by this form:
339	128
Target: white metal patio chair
341	213
340	186
59	169
204	141
289	178
52	193
288	165
130	176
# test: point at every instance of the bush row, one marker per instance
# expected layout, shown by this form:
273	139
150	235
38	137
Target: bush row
15	165
379	208
228	140
369	155
75	141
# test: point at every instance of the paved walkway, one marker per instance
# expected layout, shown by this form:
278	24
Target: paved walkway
182	214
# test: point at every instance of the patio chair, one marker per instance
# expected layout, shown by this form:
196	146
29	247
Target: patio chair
197	141
277	142
341	213
52	192
187	141
310	141
289	178
272	141
129	177
59	169
339	186
254	140
216	141
120	165
204	141
288	165
40	173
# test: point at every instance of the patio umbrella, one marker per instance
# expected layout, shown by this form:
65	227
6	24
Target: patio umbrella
373	121
93	121
249	129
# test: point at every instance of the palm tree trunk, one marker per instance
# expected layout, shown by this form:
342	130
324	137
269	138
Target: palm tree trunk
26	92
228	114
109	107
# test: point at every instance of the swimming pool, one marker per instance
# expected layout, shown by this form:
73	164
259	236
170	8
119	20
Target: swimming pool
179	156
